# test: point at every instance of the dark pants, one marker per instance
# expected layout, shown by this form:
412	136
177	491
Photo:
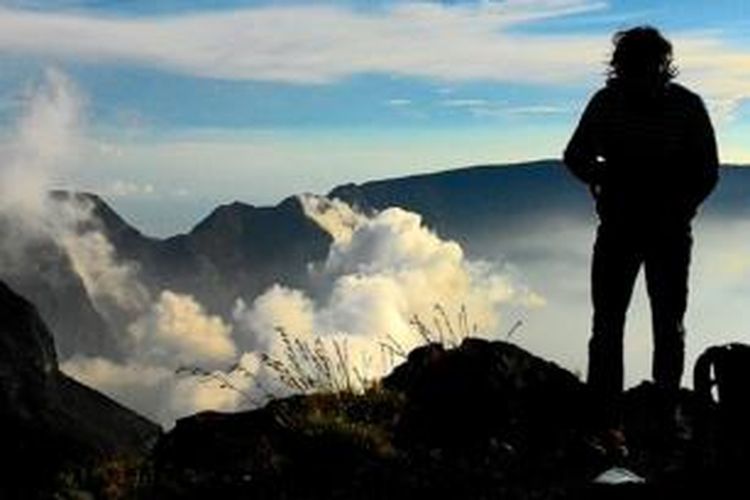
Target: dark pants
619	251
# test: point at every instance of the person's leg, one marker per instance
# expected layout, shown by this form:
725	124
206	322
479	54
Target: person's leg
667	262
615	264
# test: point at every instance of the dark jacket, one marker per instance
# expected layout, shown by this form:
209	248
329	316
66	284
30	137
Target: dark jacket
647	155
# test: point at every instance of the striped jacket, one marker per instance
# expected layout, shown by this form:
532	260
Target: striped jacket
647	156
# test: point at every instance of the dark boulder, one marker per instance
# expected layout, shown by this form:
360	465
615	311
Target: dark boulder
477	421
483	390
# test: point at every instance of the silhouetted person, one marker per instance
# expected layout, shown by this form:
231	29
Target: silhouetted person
646	149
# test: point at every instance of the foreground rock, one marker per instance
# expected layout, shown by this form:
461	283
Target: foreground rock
483	420
51	426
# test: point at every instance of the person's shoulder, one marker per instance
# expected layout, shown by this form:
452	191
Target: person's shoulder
684	94
600	97
603	93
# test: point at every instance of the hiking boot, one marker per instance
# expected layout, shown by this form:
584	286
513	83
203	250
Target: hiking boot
609	444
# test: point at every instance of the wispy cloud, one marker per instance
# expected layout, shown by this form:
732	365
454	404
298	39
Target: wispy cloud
483	108
720	70
126	189
323	43
464	103
327	43
540	109
478	108
318	44
399	102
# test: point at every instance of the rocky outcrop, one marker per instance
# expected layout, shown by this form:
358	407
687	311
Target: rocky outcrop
484	390
481	420
50	423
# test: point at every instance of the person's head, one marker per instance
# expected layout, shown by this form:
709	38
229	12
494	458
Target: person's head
641	56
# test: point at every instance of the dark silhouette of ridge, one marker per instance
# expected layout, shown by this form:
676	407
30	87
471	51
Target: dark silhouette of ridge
49	423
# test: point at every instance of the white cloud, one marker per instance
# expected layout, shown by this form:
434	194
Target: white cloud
399	102
278	307
108	281
716	69
447	43
144	388
438	41
380	272
226	392
156	391
270	43
336	217
178	329
464	103
172	333
46	142
484	108
539	109
127	189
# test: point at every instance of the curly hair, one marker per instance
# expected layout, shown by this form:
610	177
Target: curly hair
641	52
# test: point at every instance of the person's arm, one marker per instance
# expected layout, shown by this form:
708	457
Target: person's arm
583	153
704	160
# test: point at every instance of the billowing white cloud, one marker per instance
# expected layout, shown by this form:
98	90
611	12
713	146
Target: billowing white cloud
381	272
178	328
278	307
170	339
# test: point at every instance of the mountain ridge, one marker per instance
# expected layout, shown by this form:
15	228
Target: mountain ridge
240	249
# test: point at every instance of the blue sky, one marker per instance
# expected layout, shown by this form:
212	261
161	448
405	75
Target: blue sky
187	104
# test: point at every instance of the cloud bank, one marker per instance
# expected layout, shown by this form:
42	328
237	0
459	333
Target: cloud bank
381	271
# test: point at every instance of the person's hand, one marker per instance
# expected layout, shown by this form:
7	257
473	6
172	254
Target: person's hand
595	189
597	176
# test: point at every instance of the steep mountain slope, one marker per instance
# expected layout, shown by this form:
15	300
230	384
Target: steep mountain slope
37	267
250	248
237	251
49	422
